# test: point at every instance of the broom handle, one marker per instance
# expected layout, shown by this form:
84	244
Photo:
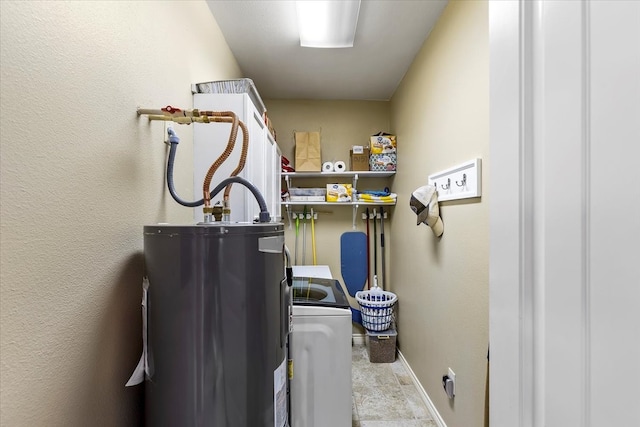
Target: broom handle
368	255
313	238
375	245
383	280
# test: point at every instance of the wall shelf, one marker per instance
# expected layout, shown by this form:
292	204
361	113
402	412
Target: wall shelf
356	204
353	175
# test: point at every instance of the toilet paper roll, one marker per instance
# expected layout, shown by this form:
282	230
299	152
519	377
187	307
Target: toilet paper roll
339	166
327	167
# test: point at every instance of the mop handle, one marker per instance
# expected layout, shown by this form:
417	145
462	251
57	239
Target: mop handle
313	238
297	230
368	255
375	245
382	278
304	236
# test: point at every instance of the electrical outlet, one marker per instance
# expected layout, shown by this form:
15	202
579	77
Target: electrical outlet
452	377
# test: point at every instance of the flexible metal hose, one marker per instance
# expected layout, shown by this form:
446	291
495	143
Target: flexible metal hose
230	144
227	182
264	215
174	140
243	157
187	117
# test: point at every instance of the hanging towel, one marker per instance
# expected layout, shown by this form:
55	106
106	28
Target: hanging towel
391	198
384	192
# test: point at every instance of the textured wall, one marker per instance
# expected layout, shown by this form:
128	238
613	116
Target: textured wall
81	175
441	116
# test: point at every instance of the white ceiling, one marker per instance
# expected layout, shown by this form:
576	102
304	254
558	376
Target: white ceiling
263	36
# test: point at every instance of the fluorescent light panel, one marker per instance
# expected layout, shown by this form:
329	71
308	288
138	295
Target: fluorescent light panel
327	24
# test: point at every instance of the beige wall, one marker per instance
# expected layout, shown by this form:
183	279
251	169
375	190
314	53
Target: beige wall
81	175
441	114
342	124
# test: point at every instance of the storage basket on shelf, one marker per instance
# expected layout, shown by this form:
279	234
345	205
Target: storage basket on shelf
376	307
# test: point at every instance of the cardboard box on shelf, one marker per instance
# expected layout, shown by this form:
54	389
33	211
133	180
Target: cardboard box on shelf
359	157
383	143
383	162
339	193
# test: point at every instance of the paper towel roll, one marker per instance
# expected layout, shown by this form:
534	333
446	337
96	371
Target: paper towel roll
339	166
327	167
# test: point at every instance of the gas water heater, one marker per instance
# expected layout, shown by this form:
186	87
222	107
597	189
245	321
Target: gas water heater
218	318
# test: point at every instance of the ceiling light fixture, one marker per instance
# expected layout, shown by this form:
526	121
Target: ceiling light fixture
327	24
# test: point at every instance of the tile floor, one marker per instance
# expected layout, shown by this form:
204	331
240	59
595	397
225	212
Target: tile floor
384	395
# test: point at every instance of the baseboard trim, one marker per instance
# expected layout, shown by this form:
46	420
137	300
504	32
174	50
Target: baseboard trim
425	397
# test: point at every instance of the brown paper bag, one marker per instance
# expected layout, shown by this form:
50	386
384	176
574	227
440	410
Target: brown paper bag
308	152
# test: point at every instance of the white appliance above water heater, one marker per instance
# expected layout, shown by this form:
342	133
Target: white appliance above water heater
262	167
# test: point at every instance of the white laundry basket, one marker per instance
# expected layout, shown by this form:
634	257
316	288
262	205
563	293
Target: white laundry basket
376	307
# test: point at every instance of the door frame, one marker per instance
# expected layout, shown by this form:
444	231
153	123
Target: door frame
510	221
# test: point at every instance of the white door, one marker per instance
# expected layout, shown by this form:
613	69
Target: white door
565	213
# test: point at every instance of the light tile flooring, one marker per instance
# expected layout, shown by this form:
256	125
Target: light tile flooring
384	395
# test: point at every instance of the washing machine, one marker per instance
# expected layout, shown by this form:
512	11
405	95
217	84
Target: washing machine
320	348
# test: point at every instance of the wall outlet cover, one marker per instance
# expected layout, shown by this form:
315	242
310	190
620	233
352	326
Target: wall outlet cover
452	377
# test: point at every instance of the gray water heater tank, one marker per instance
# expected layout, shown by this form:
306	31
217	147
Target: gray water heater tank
217	325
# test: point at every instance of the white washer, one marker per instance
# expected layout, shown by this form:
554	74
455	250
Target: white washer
320	347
